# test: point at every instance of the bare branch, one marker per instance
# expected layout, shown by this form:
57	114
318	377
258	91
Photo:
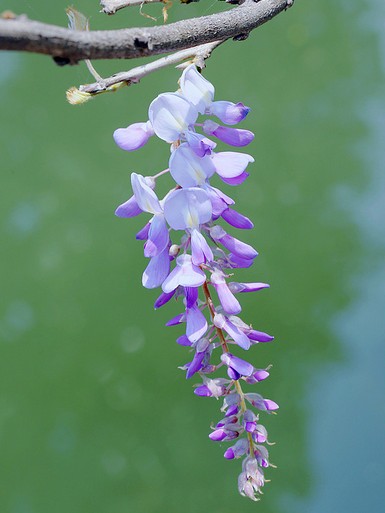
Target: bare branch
70	46
198	55
111	6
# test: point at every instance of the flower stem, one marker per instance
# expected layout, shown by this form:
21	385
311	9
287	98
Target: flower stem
225	349
161	173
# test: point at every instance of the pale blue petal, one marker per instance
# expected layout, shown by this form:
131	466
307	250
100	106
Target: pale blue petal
158	236
229	112
237	180
233	136
241	366
191	295
144	195
187	169
237	247
230	164
129	208
237	335
156	271
199	143
196	325
185	274
134	136
197	90
228	301
171	115
237	220
195	365
200	250
187	208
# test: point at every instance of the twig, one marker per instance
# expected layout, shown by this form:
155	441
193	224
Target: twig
70	46
197	55
111	6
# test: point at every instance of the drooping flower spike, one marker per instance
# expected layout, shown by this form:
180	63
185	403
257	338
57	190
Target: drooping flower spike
191	257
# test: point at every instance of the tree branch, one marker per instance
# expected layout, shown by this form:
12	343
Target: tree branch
197	54
70	46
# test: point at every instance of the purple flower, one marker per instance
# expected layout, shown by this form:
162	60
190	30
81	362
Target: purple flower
163	299
251	479
129	208
247	287
183	228
157	270
212	387
223	435
260	403
230	164
239	449
145	197
200	250
196	324
171	116
236	180
236	219
262	456
233	136
178	319
257	376
228	301
238	262
236	366
134	136
219	201
258	336
200	145
235	246
233	399
189	170
229	112
183	341
187	208
185	274
143	233
260	434
158	238
191	296
202	350
222	322
198	91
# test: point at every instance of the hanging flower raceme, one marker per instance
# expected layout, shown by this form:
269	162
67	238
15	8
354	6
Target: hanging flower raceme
190	256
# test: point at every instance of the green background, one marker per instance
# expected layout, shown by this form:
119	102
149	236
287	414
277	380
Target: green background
95	417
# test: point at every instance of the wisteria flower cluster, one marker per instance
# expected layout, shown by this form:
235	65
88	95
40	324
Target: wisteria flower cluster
191	255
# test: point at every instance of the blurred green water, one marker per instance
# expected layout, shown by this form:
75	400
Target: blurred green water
94	414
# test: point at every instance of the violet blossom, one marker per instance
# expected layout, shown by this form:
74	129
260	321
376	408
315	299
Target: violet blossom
191	257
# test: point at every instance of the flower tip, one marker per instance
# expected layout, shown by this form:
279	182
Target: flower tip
229	454
118	211
270	405
76	97
134	136
191	370
218	435
203	391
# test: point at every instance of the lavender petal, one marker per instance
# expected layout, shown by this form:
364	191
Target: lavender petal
156	271
236	219
129	208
